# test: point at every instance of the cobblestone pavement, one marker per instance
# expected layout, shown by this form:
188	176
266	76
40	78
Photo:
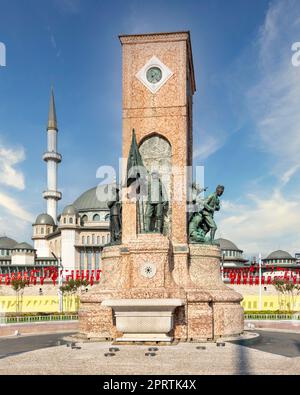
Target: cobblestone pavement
183	358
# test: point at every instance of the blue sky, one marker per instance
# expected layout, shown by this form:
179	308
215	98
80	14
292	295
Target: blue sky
246	108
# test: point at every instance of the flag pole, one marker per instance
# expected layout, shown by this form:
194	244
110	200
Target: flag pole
260	293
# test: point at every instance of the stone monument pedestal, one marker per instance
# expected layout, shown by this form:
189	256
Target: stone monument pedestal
214	309
137	289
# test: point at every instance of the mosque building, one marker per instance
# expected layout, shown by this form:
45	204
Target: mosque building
73	239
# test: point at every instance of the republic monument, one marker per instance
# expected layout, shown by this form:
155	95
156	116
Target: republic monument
161	275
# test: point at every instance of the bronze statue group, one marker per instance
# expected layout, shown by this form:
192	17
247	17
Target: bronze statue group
142	184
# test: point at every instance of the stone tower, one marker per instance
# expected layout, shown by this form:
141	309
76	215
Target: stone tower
158	86
52	158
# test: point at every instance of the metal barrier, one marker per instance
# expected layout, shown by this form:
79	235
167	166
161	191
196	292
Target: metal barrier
286	317
38	318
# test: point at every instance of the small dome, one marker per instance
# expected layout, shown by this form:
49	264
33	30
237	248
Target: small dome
23	246
44	219
70	210
7	243
279	254
227	245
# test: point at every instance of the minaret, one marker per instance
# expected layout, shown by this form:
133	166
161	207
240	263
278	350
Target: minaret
52	157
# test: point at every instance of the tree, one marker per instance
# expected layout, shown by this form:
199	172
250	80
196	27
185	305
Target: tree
289	291
73	287
18	285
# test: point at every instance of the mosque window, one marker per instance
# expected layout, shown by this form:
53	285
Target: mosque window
70	220
88	240
96	217
83	240
81	260
89	260
42	231
84	218
93	239
98	239
97	260
65	220
107	217
103	240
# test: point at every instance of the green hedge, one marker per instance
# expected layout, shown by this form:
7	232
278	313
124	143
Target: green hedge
269	312
37	314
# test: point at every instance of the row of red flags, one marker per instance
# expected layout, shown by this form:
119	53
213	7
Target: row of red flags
246	276
254	280
252	269
51	273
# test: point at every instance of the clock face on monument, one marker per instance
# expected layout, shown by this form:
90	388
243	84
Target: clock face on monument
154	74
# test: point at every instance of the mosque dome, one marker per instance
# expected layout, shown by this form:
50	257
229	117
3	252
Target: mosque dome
227	245
279	254
93	199
23	246
70	210
44	219
7	243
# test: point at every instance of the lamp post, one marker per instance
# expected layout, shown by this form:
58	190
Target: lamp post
222	266
260	296
60	281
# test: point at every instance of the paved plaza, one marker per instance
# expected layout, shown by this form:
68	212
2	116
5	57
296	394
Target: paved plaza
45	356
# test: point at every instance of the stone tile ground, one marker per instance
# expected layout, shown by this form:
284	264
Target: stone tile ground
183	358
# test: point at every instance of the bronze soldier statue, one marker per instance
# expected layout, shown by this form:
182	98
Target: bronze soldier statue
115	217
156	204
203	221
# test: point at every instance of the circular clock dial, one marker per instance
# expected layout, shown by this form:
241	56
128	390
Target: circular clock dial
154	74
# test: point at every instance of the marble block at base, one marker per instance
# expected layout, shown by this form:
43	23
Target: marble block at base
144	319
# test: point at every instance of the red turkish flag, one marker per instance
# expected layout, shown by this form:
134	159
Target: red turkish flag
98	275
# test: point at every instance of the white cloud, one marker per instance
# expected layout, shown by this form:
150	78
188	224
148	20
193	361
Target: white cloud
14	208
14	218
209	144
14	227
262	224
269	219
274	99
69	6
9	157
